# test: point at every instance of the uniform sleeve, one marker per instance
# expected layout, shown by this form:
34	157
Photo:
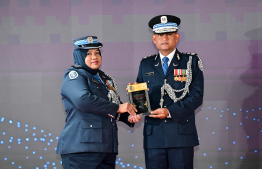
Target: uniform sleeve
193	99
77	91
139	78
124	118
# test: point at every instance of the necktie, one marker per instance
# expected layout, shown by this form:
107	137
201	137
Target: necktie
165	65
97	78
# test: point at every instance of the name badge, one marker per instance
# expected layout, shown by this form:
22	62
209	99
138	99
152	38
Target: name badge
94	80
150	74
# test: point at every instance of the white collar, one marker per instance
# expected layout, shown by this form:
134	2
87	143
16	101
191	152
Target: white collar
170	56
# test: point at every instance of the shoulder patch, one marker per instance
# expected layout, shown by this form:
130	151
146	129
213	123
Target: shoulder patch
200	64
73	74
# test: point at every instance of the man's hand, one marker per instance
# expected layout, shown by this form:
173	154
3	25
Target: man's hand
160	113
134	119
127	107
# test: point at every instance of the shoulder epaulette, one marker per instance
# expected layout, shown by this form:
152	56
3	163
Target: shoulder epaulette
188	53
200	63
77	66
149	56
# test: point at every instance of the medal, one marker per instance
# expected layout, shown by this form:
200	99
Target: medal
184	75
180	74
109	85
184	78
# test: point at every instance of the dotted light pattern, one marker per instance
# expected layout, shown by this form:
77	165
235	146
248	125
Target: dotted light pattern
234	136
28	146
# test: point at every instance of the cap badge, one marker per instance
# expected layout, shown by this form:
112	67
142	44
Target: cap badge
163	19
90	39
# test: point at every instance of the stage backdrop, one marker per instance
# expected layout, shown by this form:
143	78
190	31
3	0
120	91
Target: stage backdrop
36	48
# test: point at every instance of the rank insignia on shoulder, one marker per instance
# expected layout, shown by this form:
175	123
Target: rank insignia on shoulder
73	74
77	66
189	53
149	56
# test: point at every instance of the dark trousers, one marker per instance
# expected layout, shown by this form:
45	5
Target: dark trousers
89	161
173	158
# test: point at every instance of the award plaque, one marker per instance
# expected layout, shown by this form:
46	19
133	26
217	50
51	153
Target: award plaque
138	96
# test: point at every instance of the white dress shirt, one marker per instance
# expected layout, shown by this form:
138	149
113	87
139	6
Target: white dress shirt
170	57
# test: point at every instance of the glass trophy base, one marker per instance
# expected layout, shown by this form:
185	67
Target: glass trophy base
144	114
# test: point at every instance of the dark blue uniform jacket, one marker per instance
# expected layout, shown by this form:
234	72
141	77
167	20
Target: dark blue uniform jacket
89	124
180	130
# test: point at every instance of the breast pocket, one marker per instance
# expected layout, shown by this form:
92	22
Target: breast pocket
91	130
95	86
98	90
150	80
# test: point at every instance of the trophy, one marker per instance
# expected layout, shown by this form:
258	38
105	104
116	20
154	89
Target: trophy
138	96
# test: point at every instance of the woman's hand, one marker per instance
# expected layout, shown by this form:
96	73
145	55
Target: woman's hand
134	119
127	107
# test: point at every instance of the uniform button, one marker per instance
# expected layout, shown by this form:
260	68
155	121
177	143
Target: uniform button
186	120
148	81
164	106
165	121
91	125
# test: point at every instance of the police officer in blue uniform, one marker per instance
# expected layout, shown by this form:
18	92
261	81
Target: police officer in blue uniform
176	84
92	105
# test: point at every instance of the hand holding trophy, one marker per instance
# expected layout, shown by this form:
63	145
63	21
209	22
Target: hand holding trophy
138	95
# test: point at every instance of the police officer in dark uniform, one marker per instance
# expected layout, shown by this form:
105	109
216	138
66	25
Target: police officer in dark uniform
176	84
92	105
